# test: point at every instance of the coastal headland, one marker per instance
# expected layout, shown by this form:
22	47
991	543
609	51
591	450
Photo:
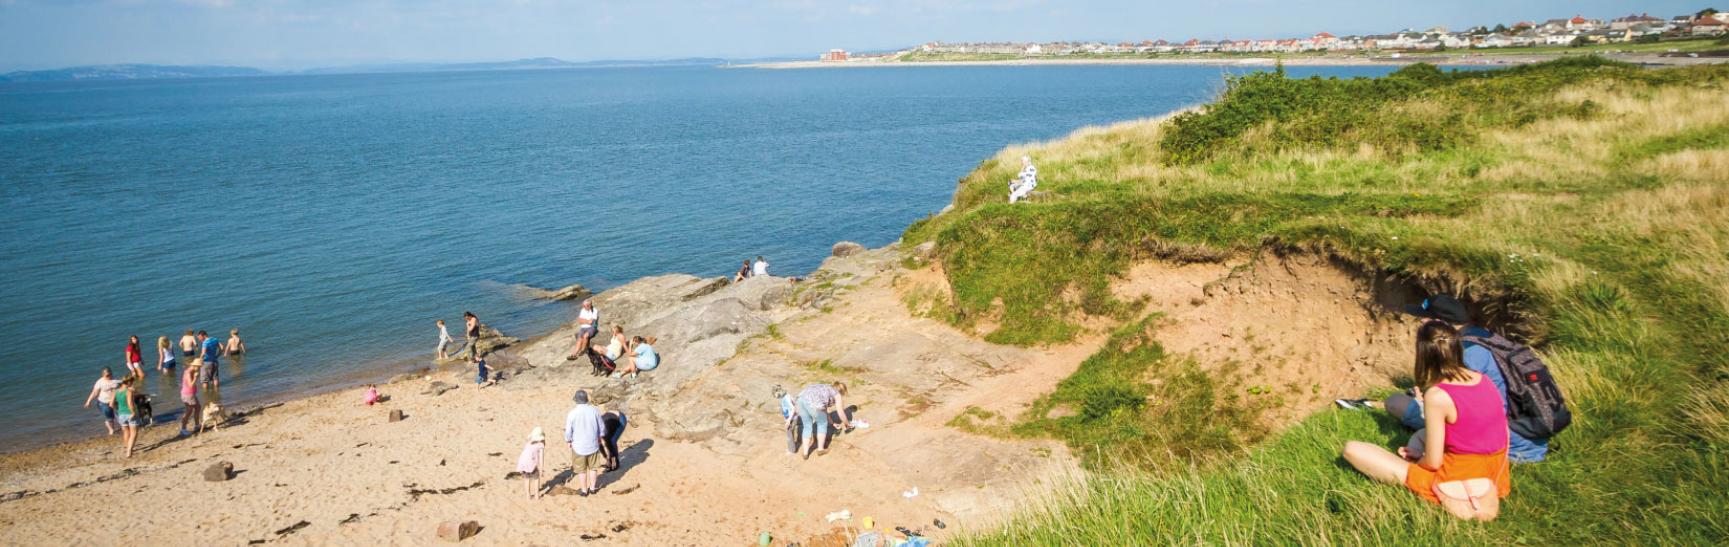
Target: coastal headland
1145	352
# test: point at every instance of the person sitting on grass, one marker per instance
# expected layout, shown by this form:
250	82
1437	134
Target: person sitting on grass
1464	468
814	402
642	358
1409	409
1024	183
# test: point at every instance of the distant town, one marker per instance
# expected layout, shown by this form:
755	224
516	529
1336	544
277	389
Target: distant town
1575	31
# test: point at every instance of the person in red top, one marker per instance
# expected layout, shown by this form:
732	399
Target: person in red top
134	358
1466	472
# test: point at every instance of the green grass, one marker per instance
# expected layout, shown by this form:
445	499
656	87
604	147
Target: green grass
1568	200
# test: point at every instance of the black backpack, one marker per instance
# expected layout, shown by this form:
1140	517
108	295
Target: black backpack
1535	408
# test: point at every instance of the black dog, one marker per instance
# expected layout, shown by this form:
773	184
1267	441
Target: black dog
145	414
602	365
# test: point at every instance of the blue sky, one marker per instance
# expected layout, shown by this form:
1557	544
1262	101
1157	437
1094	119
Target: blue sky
287	34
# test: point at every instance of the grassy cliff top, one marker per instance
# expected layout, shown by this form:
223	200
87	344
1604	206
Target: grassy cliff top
1581	204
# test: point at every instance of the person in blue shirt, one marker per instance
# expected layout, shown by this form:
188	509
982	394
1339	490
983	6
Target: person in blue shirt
209	351
789	415
1409	410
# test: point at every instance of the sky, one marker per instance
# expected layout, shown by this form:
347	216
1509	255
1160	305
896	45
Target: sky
294	34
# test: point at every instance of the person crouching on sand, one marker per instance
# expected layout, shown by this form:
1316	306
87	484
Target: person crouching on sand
814	402
533	458
371	396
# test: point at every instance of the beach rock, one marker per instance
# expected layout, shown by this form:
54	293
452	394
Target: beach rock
561	491
846	248
454	531
924	251
708	287
570	292
607	393
438	388
219	471
492	340
396	415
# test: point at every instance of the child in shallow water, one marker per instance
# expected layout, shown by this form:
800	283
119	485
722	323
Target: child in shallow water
529	463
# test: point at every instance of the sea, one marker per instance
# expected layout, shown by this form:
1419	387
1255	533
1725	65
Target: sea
332	219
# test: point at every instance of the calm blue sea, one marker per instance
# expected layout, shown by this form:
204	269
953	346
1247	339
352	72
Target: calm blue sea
333	218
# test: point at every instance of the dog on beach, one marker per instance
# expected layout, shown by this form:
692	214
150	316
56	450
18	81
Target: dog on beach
214	416
146	415
602	365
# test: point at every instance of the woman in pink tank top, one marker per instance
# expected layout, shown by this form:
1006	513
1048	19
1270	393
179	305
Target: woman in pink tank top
1468	475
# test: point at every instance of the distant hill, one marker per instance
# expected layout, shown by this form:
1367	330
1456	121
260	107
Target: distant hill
128	72
147	72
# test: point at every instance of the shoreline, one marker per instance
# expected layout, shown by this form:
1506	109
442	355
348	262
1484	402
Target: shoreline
1262	61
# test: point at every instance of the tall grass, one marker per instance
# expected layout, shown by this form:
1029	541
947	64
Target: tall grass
1584	200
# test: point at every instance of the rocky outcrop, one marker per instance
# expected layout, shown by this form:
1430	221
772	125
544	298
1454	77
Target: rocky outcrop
698	323
846	249
492	340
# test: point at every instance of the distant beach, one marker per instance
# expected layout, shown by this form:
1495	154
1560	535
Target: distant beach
1302	60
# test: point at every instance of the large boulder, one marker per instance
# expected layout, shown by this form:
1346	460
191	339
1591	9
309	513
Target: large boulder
492	339
924	251
846	248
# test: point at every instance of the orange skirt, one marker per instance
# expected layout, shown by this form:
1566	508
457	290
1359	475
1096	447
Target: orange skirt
1458	467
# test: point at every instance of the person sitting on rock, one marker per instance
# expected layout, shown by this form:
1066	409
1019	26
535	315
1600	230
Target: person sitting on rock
760	267
642	359
587	325
743	272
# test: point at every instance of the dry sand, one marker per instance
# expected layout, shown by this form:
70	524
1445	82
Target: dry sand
327	470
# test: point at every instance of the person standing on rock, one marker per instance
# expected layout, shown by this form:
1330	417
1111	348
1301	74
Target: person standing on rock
587	325
814	402
582	431
103	394
760	267
444	341
470	331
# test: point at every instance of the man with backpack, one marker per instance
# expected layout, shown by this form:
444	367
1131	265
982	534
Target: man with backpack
1535	408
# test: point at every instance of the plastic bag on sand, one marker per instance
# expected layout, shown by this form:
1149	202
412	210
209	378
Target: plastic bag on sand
868	539
842	514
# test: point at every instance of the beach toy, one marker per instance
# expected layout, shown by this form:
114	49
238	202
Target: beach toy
764	539
869	523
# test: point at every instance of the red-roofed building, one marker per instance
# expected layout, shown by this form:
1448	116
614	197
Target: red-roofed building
1709	26
835	56
1581	23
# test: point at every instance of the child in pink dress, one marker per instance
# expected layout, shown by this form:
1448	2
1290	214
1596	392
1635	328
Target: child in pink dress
529	463
371	396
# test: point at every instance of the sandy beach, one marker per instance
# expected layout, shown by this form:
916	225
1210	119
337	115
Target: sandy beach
704	461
